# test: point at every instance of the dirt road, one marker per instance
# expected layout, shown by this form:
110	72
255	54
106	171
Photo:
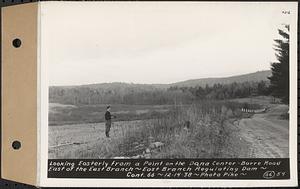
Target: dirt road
267	134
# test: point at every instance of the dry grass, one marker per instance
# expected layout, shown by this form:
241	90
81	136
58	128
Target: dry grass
211	134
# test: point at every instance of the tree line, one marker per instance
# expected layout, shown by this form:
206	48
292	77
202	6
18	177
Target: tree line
227	91
135	95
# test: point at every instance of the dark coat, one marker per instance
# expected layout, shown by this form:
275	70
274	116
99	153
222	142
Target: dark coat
108	116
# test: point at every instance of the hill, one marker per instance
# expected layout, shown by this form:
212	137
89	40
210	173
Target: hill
129	93
253	77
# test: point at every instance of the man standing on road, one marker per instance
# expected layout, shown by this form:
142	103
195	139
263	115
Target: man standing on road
108	118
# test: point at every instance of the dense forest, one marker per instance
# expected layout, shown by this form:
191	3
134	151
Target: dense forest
119	93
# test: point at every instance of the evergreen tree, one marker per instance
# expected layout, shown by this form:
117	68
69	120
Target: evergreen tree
279	80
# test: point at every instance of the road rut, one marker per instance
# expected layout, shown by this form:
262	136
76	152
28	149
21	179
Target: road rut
267	134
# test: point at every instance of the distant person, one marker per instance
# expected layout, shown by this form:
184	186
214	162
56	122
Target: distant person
108	118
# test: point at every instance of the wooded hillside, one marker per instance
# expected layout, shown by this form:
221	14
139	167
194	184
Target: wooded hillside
185	92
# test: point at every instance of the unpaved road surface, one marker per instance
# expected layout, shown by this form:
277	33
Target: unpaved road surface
267	134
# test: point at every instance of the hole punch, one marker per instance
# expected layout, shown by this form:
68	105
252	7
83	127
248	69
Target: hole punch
16	145
17	43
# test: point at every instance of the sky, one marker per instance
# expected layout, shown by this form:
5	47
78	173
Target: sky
100	42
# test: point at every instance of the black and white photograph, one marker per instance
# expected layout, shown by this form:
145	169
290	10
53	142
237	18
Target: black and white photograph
150	94
168	81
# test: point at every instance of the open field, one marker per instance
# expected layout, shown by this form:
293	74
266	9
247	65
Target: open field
89	141
217	129
60	114
65	114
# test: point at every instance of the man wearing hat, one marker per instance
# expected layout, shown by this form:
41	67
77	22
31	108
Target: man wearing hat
108	118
